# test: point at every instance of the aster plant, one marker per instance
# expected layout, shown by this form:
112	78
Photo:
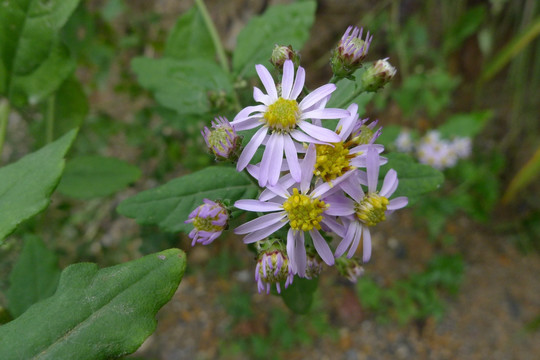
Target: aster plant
308	184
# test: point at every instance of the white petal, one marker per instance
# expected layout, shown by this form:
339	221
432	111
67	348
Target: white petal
251	148
256	205
260	223
322	247
298	83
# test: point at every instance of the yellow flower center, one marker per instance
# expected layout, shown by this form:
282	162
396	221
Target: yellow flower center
304	212
217	139
205	224
365	135
282	115
371	209
332	161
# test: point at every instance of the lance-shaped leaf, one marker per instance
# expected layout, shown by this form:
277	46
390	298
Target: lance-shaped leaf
280	24
169	205
96	314
88	177
34	276
414	179
25	186
34	60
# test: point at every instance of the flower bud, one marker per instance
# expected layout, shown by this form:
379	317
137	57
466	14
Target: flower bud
209	220
378	75
222	141
349	268
313	266
282	53
273	267
350	52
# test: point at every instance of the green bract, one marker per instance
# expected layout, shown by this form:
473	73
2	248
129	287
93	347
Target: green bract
96	314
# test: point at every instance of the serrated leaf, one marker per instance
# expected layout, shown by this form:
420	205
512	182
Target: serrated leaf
25	186
465	125
35	61
182	85
88	177
414	179
96	314
169	205
280	24
190	38
299	295
34	276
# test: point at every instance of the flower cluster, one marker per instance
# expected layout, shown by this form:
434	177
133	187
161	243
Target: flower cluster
435	151
320	194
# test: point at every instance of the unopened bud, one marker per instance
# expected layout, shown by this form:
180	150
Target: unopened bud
273	266
222	141
282	53
209	220
378	75
349	268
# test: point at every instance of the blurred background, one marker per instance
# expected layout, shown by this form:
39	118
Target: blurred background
453	276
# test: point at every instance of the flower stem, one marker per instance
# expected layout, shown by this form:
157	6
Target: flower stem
4	117
213	34
49	119
218	46
355	93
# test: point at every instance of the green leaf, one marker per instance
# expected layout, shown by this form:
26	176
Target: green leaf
35	61
34	277
96	314
299	295
465	125
464	27
88	177
280	24
25	186
182	85
190	38
414	179
169	205
70	110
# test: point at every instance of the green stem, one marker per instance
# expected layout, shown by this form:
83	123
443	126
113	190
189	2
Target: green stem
49	119
218	46
214	35
4	118
355	93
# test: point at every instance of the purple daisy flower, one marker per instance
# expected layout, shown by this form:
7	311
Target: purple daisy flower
283	121
303	210
365	209
223	140
209	220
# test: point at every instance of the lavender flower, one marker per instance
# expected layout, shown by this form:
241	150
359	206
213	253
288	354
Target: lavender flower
273	268
284	119
303	210
462	147
365	209
436	152
404	141
223	140
350	52
209	220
